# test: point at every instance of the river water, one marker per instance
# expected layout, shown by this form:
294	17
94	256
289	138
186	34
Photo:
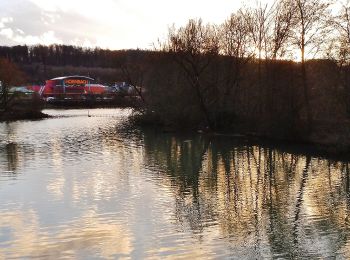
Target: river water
81	187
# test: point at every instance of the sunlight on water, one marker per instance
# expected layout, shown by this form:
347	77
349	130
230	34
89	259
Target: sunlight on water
74	186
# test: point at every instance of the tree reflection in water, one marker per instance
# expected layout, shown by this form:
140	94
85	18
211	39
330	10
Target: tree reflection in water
231	198
9	150
262	199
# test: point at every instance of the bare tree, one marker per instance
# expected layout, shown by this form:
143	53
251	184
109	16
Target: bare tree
134	75
257	19
312	26
10	75
194	47
342	23
280	27
235	38
309	34
342	53
278	34
235	43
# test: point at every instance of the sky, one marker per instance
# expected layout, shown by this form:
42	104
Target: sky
113	24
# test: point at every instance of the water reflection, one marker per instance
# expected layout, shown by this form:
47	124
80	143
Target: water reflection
90	233
9	149
91	188
269	202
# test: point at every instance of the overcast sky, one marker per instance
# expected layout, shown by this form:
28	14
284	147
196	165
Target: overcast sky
114	24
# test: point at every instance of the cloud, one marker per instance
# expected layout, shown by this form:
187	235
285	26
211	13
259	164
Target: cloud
18	37
49	18
19	31
22	26
7	19
45	5
4	21
86	43
116	24
7	32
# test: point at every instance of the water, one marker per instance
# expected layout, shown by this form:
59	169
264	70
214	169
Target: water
84	187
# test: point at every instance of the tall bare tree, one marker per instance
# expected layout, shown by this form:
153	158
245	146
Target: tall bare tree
257	19
342	23
280	28
312	26
235	43
278	35
342	53
309	34
194	47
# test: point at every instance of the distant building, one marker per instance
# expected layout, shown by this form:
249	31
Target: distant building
77	88
95	89
71	87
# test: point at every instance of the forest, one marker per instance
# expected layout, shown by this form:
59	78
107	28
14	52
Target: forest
280	71
41	62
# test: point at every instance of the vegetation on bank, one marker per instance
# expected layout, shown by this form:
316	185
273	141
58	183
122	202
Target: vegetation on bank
238	76
16	106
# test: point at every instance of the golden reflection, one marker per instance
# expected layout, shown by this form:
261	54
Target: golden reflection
207	196
257	196
56	147
89	233
56	186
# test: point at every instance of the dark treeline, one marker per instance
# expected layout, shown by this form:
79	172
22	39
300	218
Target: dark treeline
267	100
63	55
41	62
279	70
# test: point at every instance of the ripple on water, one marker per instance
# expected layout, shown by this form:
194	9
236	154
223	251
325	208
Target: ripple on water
85	187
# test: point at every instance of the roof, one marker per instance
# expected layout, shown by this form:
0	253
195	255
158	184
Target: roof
74	76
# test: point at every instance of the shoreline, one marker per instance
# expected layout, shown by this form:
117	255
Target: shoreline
327	147
8	116
337	151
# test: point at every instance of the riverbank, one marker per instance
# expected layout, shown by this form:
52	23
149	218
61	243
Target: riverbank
328	139
13	115
115	102
31	109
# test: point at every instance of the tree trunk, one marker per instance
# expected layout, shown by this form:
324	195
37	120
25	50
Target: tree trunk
306	91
